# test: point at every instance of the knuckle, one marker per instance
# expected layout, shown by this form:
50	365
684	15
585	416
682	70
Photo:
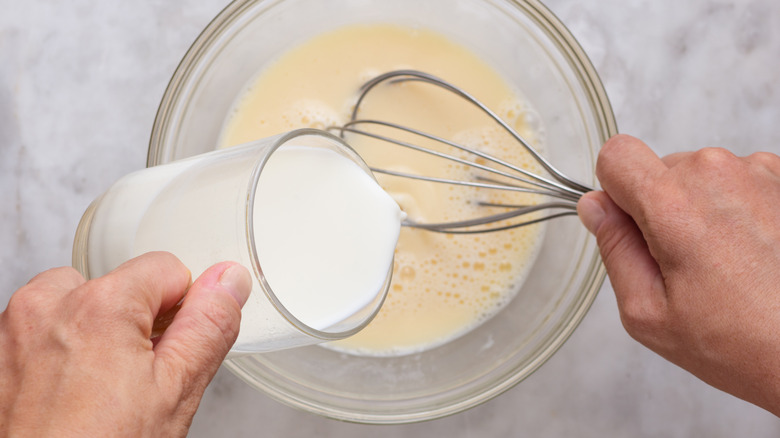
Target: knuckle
641	321
47	286
19	313
63	278
29	303
767	160
636	318
220	318
647	317
165	260
70	276
34	319
713	158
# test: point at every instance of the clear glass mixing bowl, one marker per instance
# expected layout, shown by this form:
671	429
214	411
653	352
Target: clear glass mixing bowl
536	53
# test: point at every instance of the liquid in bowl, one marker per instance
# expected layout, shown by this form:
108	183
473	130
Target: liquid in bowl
534	52
443	285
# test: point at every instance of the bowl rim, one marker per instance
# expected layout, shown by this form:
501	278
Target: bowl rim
605	122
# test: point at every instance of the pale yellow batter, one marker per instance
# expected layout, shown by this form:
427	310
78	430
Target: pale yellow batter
443	285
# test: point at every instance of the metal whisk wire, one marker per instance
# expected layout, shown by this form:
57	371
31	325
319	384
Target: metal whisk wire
560	187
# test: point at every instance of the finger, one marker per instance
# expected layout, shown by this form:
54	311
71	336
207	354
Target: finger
626	168
672	160
206	326
157	279
31	307
58	279
767	160
633	272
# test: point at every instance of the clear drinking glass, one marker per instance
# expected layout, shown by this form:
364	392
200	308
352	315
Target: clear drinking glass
201	210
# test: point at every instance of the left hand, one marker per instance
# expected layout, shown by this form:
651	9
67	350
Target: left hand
77	358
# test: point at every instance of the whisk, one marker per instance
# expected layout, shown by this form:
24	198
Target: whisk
559	191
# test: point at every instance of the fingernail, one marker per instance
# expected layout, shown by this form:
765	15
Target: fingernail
591	213
237	281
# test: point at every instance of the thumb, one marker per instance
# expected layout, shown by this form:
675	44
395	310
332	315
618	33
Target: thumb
633	272
206	326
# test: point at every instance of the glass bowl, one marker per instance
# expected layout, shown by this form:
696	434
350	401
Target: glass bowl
534	51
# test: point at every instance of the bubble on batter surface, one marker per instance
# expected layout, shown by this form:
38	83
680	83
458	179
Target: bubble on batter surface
523	119
311	113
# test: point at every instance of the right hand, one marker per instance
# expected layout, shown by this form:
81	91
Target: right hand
691	244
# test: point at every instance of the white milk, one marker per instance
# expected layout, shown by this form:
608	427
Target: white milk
120	210
325	232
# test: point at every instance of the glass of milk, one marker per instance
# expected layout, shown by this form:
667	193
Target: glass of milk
301	210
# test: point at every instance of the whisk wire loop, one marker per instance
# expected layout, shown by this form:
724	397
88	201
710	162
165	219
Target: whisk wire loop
549	187
560	187
415	75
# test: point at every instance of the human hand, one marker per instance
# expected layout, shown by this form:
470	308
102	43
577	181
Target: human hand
691	243
77	359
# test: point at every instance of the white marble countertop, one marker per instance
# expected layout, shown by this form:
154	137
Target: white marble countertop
80	82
